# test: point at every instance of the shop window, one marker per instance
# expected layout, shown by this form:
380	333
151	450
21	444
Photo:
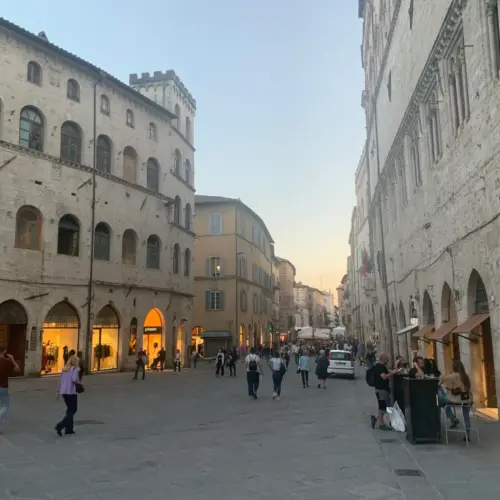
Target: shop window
177	210
176	258
31	130
152	339
59	337
102	242
71	142
153	175
153	252
177	162
132	343
29	228
68	236
130	164
187	262
187	217
129	247
105	334
103	154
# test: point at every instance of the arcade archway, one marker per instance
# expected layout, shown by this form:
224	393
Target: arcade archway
105	335
152	334
13	326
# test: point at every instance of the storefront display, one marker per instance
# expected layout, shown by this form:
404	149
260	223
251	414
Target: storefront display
152	338
105	336
59	337
196	340
132	343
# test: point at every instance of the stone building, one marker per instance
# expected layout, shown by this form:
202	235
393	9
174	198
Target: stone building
235	284
287	302
431	98
96	203
302	314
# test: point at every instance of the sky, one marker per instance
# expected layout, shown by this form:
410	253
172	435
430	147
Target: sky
278	89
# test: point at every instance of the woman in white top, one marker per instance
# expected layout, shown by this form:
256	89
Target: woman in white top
278	368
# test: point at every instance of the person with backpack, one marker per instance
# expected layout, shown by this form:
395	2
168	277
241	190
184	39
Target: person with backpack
278	367
220	360
378	377
254	371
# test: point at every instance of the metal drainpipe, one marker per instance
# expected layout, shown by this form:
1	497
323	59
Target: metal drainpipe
88	343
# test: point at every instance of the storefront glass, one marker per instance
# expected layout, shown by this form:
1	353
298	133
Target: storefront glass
180	338
59	337
152	338
132	343
105	336
196	340
242	334
13	325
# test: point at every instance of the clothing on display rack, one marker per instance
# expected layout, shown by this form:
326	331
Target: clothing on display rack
102	351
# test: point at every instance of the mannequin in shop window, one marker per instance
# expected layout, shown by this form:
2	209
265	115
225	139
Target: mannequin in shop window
50	356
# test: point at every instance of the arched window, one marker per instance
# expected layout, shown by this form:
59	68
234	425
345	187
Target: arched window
130	164
129	247
153	252
31	129
102	242
243	300
177	210
103	154
130	118
71	142
105	107
188	129
176	257
188	173
177	113
153	175
68	236
187	217
29	228
73	90
34	73
187	262
152	131
177	162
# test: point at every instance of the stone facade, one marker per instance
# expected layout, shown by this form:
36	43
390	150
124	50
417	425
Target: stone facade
431	94
287	301
143	216
235	281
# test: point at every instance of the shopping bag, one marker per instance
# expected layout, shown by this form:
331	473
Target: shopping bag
397	418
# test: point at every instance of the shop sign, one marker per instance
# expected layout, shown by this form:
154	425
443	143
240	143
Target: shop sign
153	329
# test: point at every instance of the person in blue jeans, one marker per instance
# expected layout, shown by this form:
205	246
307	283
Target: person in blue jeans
67	389
304	367
254	371
278	367
8	367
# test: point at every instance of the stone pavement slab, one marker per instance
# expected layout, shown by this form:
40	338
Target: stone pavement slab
190	436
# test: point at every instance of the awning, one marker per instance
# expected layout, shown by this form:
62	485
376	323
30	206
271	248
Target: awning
406	329
216	335
446	328
471	323
423	332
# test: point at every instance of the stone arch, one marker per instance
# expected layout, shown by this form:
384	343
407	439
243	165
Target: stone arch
427	310
13	328
154	333
105	339
477	296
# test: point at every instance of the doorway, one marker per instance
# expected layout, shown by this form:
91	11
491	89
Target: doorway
13	327
152	337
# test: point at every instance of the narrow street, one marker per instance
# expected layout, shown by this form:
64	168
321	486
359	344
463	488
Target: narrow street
194	436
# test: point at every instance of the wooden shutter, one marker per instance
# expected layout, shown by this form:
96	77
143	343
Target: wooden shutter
207	300
221	300
207	267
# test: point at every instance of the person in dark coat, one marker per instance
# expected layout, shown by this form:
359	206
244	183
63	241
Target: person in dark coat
322	369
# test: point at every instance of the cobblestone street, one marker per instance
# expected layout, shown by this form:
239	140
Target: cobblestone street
194	436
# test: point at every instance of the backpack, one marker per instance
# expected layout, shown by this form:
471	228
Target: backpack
252	364
370	376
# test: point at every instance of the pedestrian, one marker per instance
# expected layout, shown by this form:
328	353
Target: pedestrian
381	378
254	370
304	368
177	361
162	356
195	358
68	389
286	356
8	367
295	352
322	369
278	368
220	360
231	362
140	364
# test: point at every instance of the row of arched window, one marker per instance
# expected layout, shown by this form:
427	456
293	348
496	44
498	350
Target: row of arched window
31	135
29	236
34	75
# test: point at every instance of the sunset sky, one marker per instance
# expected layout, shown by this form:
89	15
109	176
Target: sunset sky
278	87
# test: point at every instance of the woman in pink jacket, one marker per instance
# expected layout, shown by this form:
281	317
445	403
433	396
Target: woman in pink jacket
67	389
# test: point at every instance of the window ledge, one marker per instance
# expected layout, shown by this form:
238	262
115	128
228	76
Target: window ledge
182	228
84	168
178	177
183	137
